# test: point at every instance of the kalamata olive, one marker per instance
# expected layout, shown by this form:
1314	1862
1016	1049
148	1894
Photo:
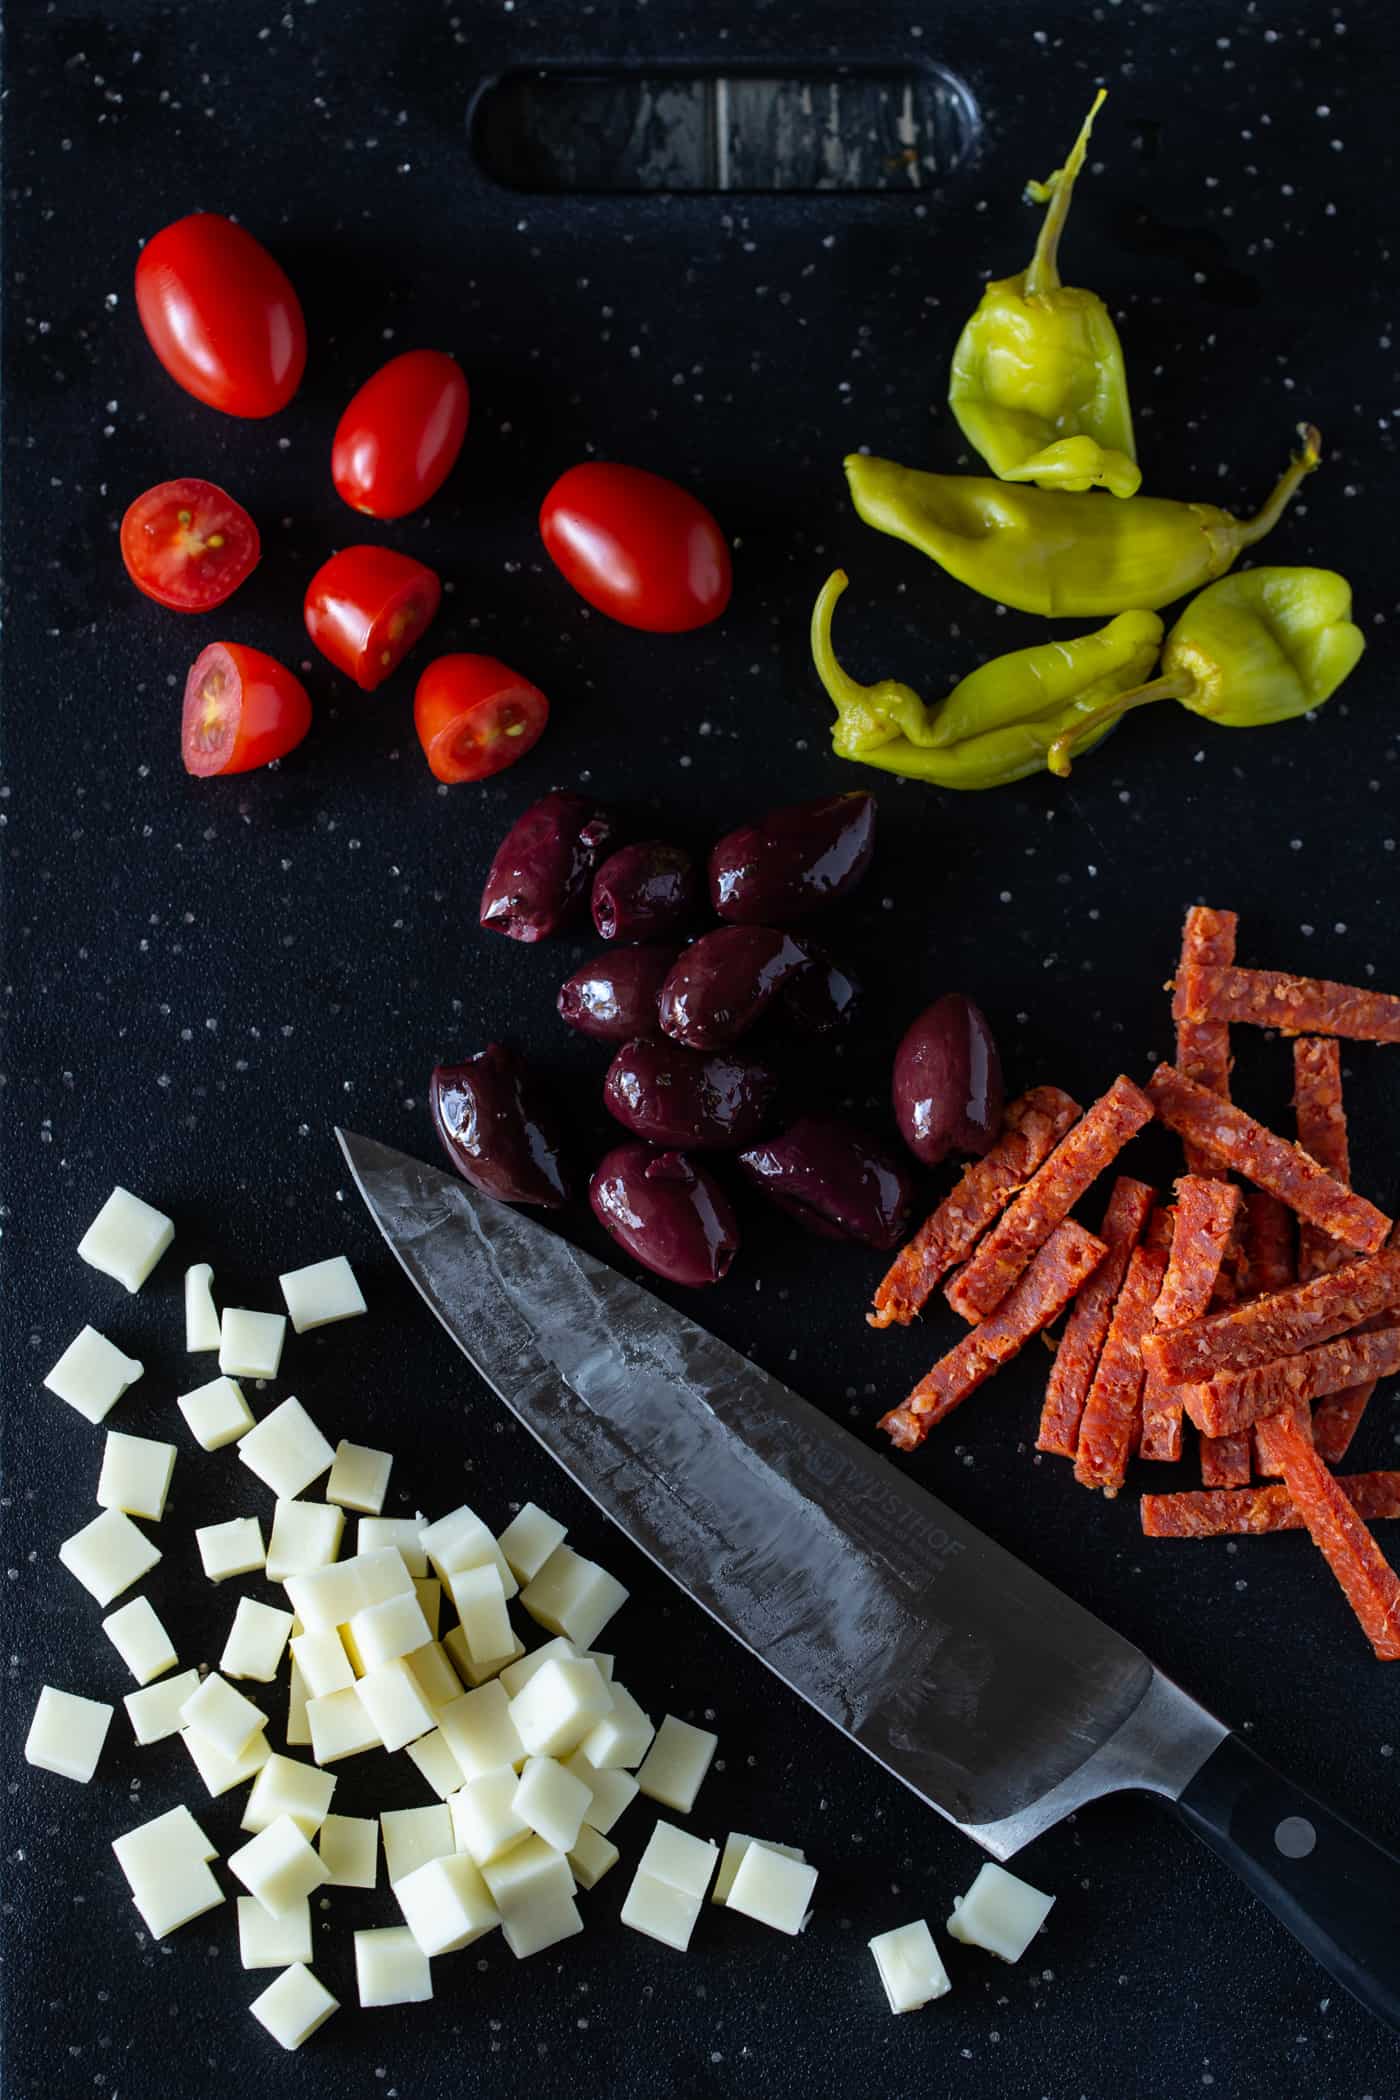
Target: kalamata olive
836	1180
616	995
822	999
721	983
794	860
499	1127
947	1082
670	1214
645	891
673	1096
543	866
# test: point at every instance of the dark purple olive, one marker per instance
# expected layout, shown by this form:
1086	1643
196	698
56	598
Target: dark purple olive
616	995
947	1082
823	999
670	1214
500	1128
836	1180
643	892
721	984
672	1096
543	866
794	860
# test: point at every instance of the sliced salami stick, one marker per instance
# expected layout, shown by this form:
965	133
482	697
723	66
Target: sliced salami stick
1233	1400
1048	1198
1062	1266
1367	1580
1270	1264
1282	1323
1112	1418
1295	1005
1226	1461
1322	1131
1081	1344
1251	1511
1205	1218
1203	1047
1033	1127
1230	1138
1336	1420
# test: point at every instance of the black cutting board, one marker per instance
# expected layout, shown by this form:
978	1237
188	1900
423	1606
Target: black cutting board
202	977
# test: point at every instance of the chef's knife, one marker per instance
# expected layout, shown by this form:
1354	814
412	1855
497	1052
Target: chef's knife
1000	1701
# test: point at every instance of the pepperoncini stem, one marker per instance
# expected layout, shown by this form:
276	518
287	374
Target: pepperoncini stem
869	714
1059	758
1303	463
1043	272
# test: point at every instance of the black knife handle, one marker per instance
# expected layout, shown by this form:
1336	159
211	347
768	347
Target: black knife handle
1336	1891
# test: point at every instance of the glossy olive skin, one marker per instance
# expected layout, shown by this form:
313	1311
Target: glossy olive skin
823	999
499	1128
947	1086
688	1098
793	861
838	1181
723	982
544	865
644	892
668	1213
617	995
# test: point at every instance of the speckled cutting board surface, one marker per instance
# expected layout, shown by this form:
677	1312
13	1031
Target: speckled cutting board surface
201	978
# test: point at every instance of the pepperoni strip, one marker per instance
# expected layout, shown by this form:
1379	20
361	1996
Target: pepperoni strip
1295	1005
1032	1128
1066	1262
1367	1580
1113	1410
1226	1461
1252	1511
1233	1399
1270	1265
1322	1130
1081	1345
1205	1219
1283	1323
1048	1198
1230	1138
1203	1047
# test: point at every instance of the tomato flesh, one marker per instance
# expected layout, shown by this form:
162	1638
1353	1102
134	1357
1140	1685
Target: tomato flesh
639	548
475	716
398	440
366	607
221	315
188	545
242	710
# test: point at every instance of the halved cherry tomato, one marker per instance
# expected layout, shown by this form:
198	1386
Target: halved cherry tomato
188	545
475	716
221	315
398	440
366	607
242	709
639	548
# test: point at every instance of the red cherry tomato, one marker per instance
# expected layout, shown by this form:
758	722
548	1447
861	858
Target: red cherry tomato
221	315
366	607
398	440
242	709
188	545
639	548
475	716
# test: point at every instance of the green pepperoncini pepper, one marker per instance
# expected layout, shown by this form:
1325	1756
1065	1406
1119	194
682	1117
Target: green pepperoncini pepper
1037	383
1062	555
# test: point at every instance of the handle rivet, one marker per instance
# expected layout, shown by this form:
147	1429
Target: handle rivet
1295	1837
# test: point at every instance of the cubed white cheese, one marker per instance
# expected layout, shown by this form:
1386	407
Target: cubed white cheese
910	1967
622	1738
223	1716
183	1888
470	1671
413	1836
286	1450
287	1787
515	1676
201	1316
592	1857
360	1479
404	1534
484	1821
772	1889
532	1875
143	1644
323	1663
676	1763
428	1590
298	1727
529	1539
735	1846
305	1535
461	1540
256	1641
680	1859
559	1706
540	1926
92	1374
294	2006
605	1663
609	1791
480	1731
265	1942
135	1475
573	1596
67	1734
552	1801
222	1774
142	1852
278	1866
435	1761
481	1606
384	1632
340	1727
446	1904
326	1598
108	1555
234	1548
434	1675
349	1847
126	1239
250	1346
391	1968
155	1712
999	1912
394	1703
320	1293
660	1911
216	1414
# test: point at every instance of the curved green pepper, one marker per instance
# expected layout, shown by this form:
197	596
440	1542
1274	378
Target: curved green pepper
1044	551
1037	384
1259	647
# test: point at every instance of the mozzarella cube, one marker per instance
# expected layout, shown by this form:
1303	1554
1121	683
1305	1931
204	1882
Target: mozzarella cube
234	1548
484	1820
216	1414
359	1478
529	1539
434	1675
515	1676
292	2008
604	1662
384	1632
287	1787
468	1669
67	1734
910	1967
481	1606
446	1904
92	1374
573	1596
330	1597
428	1590
126	1239
286	1450
155	1712
772	1888
551	1801
224	1717
202	1329
622	1738
532	1875
559	1706
681	1860
298	1727
222	1774
305	1535
413	1836
140	1640
381	1575
108	1555
142	1852
481	1732
323	1663
459	1541
609	1792
255	1641
394	1703
405	1534
273	1943
250	1345
676	1763
322	1292
540	1926
182	1889
660	1911
592	1857
278	1866
340	1726
735	1846
435	1761
390	1967
135	1475
1000	1913
349	1847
